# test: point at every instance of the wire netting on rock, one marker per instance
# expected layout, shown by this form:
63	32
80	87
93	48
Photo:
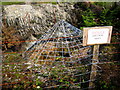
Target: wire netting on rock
59	58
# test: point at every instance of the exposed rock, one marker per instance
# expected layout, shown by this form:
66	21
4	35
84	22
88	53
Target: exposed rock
29	41
36	19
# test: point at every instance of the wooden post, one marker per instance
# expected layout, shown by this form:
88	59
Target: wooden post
94	67
95	36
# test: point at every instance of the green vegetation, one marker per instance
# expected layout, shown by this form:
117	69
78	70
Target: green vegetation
17	3
89	18
90	14
11	3
99	14
38	77
104	14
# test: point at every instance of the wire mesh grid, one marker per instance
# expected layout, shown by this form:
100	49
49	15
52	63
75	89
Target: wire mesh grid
57	60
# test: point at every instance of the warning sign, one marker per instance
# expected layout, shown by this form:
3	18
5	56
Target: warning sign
97	35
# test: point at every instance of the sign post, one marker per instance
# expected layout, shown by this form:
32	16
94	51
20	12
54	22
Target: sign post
94	67
95	36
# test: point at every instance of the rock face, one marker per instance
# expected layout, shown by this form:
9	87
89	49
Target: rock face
37	19
29	42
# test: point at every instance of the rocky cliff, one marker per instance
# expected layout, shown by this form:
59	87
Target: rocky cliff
37	19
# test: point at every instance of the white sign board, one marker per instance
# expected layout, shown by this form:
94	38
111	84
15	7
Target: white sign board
97	35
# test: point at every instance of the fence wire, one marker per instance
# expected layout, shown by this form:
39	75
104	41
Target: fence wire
56	60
